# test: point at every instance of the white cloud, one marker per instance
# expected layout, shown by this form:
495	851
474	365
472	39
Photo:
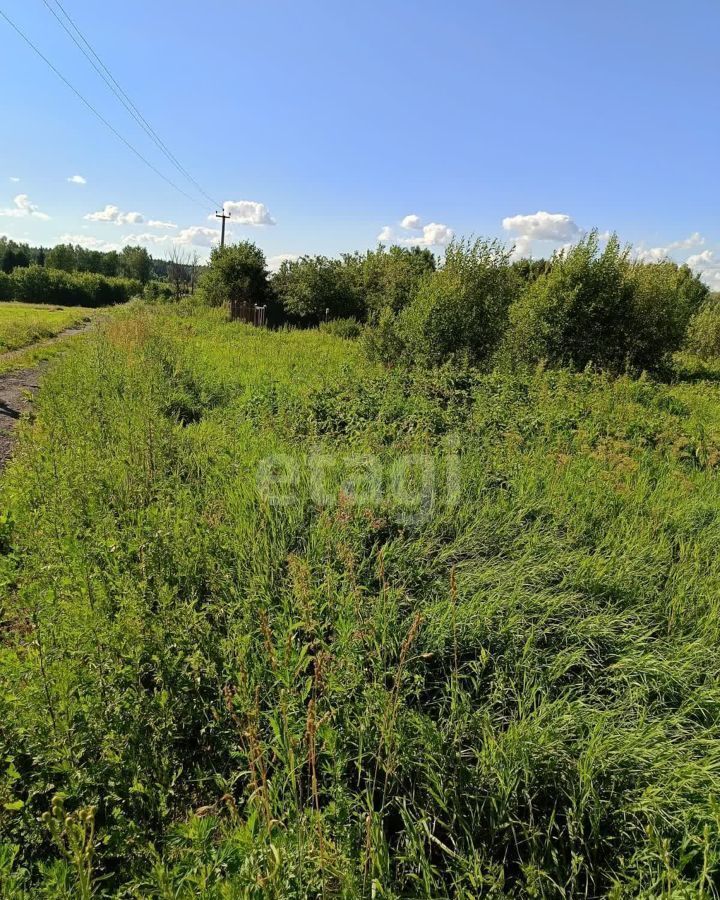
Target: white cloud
146	238
77	179
247	212
89	242
521	248
707	265
656	254
194	236
274	262
433	235
198	236
701	260
156	223
542	226
113	214
411	223
695	240
23	207
651	254
385	235
14	179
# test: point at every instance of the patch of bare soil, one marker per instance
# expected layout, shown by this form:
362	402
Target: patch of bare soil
16	390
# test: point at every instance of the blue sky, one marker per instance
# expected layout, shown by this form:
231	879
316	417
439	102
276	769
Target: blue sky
339	120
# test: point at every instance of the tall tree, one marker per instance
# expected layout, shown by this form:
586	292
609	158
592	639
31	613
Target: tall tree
135	262
62	256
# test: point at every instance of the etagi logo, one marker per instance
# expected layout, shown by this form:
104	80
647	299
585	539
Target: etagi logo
408	487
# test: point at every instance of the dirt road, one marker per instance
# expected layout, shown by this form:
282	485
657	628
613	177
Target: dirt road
14	401
17	388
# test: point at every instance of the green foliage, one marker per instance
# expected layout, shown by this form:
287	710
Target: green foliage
74	835
599	307
6	288
342	328
236	273
388	277
37	284
158	291
312	288
13	255
135	263
529	270
383	343
665	297
356	286
62	256
74	258
512	693
703	337
577	312
460	309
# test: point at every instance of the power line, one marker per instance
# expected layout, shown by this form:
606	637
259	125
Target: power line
93	110
122	95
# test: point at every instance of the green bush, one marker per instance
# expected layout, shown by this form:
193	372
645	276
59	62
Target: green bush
460	309
665	297
599	307
313	287
235	274
343	328
703	335
158	291
577	313
388	277
37	284
382	342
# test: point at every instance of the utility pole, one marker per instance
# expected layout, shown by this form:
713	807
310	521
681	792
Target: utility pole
222	233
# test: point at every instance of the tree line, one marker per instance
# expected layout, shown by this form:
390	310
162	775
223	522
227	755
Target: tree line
589	304
130	262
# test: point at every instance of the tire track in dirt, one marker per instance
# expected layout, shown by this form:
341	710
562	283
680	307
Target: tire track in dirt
17	388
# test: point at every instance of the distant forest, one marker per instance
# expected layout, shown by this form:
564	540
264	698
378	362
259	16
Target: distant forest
130	262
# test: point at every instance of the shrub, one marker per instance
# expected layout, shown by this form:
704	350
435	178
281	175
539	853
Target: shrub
460	309
388	277
343	328
235	274
39	285
577	313
158	291
665	296
313	287
382	342
599	307
703	335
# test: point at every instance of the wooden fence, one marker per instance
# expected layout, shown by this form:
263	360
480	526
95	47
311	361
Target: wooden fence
248	312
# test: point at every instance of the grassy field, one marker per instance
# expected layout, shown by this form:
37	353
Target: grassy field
277	622
22	324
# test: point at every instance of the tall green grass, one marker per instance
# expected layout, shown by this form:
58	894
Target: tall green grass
509	690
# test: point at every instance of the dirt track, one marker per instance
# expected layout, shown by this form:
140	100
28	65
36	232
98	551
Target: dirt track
16	389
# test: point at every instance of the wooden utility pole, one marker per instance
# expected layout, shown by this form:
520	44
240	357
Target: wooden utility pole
222	233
